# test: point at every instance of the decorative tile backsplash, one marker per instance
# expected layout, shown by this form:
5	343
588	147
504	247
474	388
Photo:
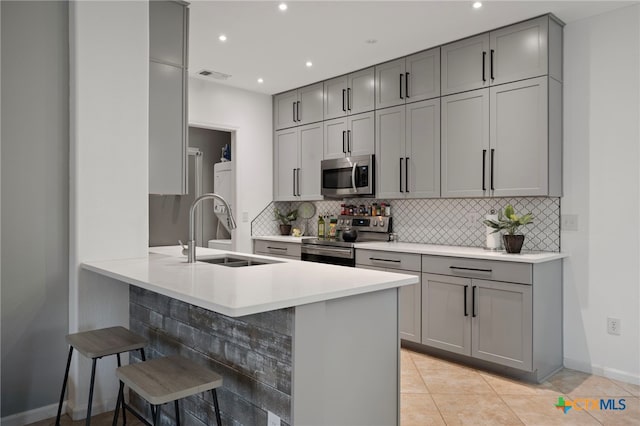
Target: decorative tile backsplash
446	221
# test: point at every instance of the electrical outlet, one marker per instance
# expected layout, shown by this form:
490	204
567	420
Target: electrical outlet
272	419
613	326
245	216
569	222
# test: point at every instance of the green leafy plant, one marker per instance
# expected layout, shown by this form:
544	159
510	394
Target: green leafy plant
285	219
509	221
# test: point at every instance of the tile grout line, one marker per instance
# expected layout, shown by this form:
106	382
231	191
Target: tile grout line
428	390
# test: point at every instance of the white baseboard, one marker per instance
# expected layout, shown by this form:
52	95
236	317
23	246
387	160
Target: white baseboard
80	412
610	373
32	416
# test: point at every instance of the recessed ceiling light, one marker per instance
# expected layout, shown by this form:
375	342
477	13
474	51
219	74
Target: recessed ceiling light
371	41
260	81
477	5
309	64
282	6
222	37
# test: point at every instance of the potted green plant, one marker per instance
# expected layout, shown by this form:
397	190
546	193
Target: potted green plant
285	220
510	222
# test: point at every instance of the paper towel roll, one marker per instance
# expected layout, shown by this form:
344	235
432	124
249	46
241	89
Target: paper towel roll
494	239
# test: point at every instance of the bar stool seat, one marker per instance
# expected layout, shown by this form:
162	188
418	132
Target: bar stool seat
167	379
96	344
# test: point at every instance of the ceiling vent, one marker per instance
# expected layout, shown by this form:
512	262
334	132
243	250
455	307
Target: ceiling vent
213	74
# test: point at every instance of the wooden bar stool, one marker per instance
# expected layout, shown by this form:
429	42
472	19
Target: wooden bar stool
96	344
163	380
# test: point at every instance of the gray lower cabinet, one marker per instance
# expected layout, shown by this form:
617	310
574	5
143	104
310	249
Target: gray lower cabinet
409	296
277	249
168	76
489	320
507	313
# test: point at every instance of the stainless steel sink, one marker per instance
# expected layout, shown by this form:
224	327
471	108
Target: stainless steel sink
236	261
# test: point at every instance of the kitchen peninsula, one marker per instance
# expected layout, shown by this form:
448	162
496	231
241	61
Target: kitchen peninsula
315	344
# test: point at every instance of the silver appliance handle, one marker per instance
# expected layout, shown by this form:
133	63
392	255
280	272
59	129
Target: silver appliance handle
353	177
344	253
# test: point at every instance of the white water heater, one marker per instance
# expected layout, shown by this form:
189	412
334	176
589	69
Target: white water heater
223	185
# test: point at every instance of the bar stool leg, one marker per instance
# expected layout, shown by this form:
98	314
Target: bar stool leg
93	379
121	395
155	412
64	386
177	412
120	399
215	405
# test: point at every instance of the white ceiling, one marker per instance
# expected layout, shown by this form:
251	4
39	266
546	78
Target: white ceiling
265	42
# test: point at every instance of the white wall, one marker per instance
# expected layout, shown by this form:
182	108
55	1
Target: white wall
109	51
601	185
248	114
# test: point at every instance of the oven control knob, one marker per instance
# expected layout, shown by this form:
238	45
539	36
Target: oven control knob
381	222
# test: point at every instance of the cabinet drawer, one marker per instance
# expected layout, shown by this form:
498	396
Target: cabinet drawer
388	259
478	268
274	248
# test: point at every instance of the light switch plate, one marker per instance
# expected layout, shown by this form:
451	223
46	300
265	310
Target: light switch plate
569	222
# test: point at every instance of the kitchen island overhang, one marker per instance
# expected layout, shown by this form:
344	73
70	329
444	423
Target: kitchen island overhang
339	326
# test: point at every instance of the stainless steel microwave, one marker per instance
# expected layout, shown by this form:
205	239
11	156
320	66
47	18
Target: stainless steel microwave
348	177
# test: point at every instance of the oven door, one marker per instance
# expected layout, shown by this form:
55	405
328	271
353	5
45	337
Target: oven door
348	177
343	256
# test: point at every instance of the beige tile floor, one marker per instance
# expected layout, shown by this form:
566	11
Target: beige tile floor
439	392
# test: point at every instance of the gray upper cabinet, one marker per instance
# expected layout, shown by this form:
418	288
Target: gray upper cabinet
349	94
168	76
298	107
349	136
297	155
465	144
525	50
408	150
410	79
465	65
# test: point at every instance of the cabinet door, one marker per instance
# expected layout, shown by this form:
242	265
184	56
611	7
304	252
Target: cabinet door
335	138
361	134
167	129
519	51
361	91
308	176
286	156
422	157
390	84
284	106
519	138
410	305
335	98
423	75
390	150
502	326
446	313
311	104
167	28
465	144
465	64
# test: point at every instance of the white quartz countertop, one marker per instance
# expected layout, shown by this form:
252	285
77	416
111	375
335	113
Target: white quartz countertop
283	238
456	251
248	290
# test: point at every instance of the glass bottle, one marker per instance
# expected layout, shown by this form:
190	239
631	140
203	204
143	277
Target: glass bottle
320	227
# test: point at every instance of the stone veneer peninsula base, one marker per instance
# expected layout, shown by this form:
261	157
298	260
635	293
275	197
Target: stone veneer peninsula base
333	362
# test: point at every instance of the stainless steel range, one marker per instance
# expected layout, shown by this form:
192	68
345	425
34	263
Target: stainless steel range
340	252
